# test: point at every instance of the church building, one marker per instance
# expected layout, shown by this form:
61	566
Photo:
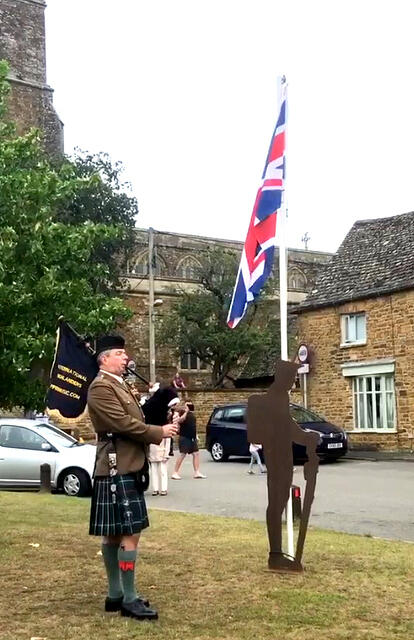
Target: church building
23	45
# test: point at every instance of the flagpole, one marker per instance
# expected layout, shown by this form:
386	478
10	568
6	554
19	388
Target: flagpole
281	233
281	223
283	256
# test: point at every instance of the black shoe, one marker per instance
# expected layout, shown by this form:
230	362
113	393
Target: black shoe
283	563
115	604
138	610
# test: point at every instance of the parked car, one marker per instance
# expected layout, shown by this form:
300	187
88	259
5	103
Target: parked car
226	433
27	444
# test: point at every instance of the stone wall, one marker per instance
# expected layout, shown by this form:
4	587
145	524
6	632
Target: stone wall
204	402
80	427
22	44
390	334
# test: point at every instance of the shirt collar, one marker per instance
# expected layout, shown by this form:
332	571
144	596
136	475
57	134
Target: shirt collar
120	380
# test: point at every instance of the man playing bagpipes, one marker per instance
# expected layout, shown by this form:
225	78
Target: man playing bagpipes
118	509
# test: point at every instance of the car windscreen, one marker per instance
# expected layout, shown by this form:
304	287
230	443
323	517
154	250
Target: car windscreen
56	436
304	416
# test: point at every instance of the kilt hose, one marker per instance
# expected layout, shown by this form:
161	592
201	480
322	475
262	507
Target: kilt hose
126	516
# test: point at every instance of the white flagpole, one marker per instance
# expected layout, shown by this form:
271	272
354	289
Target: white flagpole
283	256
281	233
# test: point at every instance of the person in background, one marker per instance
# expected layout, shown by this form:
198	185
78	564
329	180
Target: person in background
255	457
188	442
157	406
158	457
177	382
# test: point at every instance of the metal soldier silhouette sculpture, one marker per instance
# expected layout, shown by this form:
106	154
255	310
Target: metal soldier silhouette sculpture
269	422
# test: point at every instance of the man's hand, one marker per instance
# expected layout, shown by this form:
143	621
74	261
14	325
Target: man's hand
169	430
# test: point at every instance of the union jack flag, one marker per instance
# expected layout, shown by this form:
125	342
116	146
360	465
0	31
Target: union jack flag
259	247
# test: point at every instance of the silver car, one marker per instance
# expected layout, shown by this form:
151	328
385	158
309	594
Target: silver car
27	444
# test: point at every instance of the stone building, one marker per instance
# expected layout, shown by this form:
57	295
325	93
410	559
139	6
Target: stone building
177	257
22	44
359	324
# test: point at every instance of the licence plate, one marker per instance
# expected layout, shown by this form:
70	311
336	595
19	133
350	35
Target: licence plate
334	445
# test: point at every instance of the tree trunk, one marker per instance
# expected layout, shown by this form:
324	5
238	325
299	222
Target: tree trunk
219	380
215	373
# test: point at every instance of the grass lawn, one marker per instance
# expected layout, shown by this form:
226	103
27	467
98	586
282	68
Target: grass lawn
206	576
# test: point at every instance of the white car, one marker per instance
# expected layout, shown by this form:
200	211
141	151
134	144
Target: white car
27	444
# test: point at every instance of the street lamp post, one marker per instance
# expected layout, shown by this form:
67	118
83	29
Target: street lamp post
151	304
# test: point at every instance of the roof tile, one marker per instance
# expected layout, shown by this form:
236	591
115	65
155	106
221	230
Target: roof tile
376	258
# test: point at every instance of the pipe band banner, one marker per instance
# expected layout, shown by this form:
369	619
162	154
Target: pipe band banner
73	370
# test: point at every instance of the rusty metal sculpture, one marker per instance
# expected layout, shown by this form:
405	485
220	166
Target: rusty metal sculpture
269	422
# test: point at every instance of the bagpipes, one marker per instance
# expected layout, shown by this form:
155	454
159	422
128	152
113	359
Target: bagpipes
156	408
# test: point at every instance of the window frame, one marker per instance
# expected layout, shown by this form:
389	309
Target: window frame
297	280
384	367
190	264
345	320
140	267
189	355
360	391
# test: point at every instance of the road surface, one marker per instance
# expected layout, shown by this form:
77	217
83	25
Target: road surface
354	496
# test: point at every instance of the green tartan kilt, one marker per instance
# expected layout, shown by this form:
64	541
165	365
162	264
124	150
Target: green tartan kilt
124	516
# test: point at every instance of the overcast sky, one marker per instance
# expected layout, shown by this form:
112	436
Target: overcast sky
183	92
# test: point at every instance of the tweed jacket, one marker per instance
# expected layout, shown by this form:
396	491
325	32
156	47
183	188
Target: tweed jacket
113	408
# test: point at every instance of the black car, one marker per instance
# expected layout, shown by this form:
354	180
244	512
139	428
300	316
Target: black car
226	433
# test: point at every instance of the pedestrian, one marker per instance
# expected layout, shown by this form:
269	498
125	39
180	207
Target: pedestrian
118	510
255	457
188	441
158	458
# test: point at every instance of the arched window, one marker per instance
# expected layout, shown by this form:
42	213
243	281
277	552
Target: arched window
296	280
140	267
188	268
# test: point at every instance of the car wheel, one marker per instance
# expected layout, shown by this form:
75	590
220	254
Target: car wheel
75	482
217	452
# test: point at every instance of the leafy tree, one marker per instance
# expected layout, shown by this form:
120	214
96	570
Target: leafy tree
197	322
103	198
47	265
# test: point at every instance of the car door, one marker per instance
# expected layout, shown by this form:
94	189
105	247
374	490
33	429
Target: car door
21	455
236	431
216	428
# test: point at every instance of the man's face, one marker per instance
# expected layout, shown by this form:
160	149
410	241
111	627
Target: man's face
115	362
